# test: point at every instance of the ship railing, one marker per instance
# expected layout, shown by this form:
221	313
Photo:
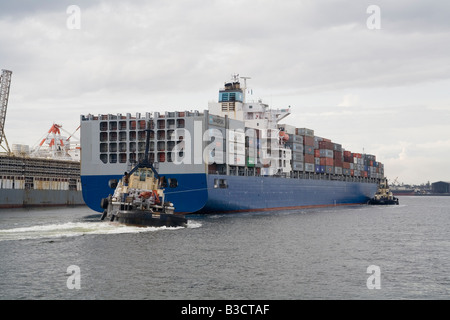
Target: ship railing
295	175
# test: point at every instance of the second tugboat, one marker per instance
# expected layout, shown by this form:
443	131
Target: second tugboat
138	198
383	196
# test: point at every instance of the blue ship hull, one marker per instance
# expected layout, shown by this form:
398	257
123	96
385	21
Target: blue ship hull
201	193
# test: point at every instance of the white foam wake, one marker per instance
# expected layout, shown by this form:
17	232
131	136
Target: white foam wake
74	229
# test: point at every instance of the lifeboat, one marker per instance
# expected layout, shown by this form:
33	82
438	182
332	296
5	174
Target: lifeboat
284	136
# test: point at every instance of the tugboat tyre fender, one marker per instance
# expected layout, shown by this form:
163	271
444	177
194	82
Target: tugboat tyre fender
112	183
105	212
104	203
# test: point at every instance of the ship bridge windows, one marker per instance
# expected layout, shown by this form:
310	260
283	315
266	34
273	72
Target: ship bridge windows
230	96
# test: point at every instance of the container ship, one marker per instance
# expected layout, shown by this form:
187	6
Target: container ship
236	156
48	175
40	177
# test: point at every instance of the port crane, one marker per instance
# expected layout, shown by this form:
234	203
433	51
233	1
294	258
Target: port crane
57	146
5	83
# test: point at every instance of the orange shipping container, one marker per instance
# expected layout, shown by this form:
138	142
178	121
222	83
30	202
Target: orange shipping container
326	162
317	153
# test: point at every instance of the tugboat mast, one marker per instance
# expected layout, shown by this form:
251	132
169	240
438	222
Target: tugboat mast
145	163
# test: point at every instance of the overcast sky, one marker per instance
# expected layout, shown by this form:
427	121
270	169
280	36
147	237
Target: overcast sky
384	91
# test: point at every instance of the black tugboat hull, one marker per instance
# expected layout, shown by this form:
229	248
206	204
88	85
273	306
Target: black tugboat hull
382	202
146	219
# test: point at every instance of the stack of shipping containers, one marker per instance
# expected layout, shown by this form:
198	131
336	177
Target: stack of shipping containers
311	153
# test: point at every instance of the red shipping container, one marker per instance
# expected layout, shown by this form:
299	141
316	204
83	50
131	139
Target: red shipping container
329	162
309	158
326	162
317	153
308	141
325	145
348	159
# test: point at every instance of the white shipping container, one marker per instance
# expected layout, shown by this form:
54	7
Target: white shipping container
296	147
297	156
296	139
290	130
309	167
305	132
324	153
297	166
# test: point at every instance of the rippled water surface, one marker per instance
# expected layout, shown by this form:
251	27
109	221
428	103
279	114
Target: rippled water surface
307	254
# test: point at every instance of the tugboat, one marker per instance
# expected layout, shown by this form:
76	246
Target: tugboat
138	198
383	196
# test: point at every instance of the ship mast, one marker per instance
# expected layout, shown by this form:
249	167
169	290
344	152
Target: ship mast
245	88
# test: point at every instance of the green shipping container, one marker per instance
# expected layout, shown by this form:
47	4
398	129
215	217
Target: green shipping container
250	161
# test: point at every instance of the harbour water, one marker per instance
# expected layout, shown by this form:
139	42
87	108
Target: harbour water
352	252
